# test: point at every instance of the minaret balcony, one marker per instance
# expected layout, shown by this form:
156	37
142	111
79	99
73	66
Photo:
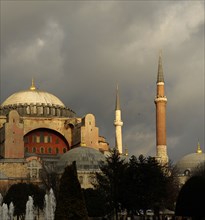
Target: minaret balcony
161	99
118	123
160	83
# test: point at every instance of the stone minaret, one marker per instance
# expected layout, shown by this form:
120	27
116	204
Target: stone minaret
118	124
160	102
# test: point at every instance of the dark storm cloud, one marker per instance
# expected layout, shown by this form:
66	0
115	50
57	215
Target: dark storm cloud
80	50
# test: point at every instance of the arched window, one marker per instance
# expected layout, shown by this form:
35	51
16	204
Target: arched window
57	150
26	149
49	139
41	137
34	150
26	139
45	139
49	150
42	150
34	138
64	150
187	172
34	167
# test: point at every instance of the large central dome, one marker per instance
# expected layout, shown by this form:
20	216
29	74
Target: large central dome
32	96
35	103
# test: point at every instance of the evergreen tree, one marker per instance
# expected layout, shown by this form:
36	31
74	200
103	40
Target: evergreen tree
95	202
147	185
140	184
110	180
70	200
131	189
172	187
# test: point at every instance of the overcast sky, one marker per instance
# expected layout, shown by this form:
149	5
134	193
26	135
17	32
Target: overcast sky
80	50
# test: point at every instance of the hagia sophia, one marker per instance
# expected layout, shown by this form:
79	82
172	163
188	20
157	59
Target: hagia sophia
38	130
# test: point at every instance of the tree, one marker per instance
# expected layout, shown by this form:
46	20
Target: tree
172	188
70	200
147	185
141	183
49	177
130	190
110	180
191	198
19	193
95	202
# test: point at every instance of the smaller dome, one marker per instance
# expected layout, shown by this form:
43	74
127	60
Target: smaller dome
189	162
86	158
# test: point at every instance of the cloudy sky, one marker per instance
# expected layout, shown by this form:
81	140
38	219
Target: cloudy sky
80	50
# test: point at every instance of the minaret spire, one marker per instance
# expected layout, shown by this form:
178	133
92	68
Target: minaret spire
118	123
160	75
160	102
117	105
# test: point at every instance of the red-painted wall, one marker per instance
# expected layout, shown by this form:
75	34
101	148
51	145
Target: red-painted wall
45	141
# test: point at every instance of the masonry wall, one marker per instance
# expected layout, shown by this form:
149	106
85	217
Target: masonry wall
14	170
13	144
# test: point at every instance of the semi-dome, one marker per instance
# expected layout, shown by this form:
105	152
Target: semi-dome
86	158
190	161
32	96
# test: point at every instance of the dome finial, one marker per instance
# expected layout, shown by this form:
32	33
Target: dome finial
199	151
32	87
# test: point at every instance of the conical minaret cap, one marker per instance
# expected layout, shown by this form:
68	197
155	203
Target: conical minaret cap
160	75
117	104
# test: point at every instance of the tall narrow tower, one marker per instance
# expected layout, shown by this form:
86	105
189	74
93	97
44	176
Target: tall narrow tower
160	102
118	124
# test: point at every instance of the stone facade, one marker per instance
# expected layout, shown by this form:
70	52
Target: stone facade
76	131
14	169
11	143
40	130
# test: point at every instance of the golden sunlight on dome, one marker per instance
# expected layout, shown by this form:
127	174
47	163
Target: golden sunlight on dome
32	96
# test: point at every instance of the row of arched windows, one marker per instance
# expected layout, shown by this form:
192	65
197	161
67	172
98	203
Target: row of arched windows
43	150
41	138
